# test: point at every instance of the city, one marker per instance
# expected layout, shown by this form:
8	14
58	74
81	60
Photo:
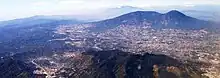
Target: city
185	45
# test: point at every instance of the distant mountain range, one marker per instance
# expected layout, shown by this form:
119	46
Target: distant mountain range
172	19
38	20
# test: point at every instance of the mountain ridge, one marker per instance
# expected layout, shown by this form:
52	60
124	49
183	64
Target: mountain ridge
119	64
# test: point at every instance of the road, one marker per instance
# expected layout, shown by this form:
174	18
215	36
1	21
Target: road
38	66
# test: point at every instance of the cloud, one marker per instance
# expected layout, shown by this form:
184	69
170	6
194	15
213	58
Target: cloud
85	4
40	3
71	1
188	4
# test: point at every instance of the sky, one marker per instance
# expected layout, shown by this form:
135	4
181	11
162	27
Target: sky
11	9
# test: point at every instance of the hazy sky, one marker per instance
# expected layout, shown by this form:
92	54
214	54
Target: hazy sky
10	9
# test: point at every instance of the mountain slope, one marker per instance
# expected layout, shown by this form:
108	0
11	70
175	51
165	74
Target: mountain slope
11	68
172	19
31	34
118	64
